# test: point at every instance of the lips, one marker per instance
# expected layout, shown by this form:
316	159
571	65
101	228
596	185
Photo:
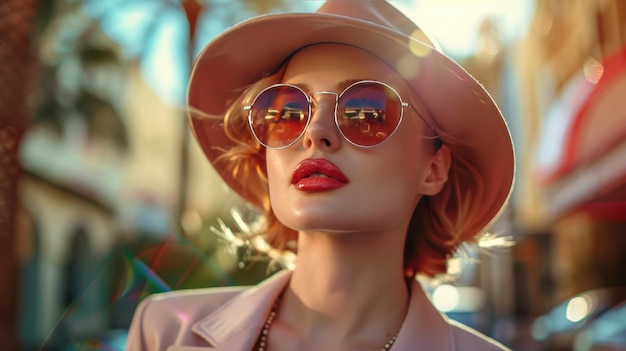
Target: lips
314	175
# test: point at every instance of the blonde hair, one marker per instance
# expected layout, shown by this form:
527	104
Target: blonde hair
438	224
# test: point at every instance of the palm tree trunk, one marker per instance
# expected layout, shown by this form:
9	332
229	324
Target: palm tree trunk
17	65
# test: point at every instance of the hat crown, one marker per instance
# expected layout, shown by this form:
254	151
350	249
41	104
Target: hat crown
379	12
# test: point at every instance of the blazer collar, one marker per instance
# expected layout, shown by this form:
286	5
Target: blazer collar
237	324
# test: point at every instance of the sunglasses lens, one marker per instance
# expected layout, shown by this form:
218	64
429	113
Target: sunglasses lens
279	115
368	113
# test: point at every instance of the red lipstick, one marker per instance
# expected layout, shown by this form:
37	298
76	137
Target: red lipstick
316	175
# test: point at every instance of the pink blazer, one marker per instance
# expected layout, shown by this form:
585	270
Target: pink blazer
231	318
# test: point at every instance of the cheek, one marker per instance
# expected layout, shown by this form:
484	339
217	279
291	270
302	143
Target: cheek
409	175
272	164
411	161
278	174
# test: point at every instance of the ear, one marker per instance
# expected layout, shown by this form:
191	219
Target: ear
438	169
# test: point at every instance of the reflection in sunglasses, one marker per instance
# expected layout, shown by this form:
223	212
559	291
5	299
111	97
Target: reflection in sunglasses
360	113
288	114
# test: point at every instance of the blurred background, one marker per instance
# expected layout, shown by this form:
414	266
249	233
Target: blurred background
105	197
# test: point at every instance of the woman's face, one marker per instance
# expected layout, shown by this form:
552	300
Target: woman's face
325	183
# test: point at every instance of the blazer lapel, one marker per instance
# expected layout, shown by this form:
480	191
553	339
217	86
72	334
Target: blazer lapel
237	324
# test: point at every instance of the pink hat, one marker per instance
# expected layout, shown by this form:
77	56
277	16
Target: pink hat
457	105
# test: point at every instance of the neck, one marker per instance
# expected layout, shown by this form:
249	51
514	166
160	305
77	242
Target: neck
347	287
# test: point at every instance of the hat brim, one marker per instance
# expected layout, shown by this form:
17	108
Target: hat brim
459	106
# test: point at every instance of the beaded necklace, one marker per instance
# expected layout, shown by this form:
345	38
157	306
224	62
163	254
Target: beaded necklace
262	341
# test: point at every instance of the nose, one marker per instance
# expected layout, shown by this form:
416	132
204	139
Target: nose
322	131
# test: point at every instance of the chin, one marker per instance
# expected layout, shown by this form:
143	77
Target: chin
331	223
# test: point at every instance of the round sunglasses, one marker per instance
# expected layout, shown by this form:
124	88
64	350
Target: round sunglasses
367	113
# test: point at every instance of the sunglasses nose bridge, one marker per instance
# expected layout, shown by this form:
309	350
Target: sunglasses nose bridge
321	104
322	128
326	93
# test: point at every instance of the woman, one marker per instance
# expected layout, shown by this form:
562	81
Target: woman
371	154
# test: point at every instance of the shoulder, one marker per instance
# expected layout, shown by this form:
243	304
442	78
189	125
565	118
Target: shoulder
168	316
467	338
